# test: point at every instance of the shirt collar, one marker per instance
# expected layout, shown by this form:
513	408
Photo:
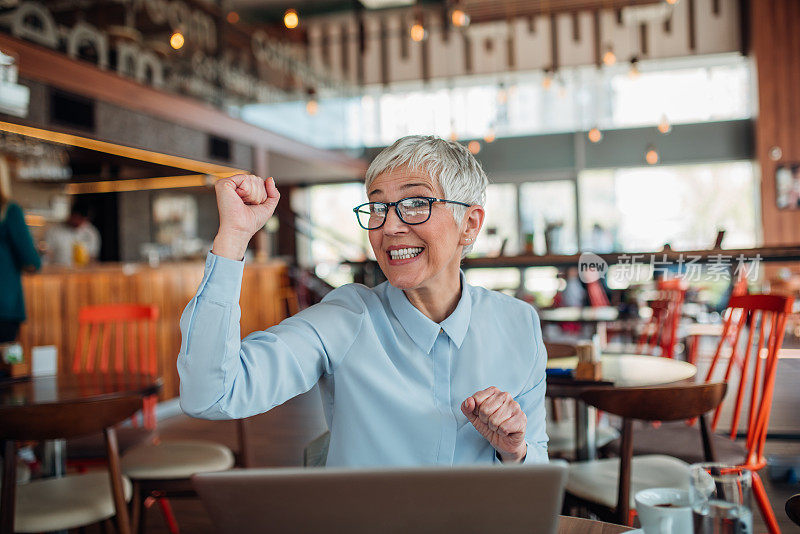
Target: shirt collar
421	329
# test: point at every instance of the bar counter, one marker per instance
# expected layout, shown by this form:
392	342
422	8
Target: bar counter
54	296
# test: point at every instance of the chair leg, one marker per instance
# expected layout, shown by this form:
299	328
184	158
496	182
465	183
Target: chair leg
135	506
169	517
764	505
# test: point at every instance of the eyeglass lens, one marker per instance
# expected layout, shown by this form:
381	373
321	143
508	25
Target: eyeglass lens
411	211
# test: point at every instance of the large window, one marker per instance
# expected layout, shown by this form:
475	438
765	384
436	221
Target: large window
500	227
327	231
685	90
640	209
548	216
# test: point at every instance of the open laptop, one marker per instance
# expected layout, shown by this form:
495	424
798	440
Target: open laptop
508	499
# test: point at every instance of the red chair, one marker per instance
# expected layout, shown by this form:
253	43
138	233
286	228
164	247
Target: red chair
101	323
660	332
597	295
764	317
761	310
695	332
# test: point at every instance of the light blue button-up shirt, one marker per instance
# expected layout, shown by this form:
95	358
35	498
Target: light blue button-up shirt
392	380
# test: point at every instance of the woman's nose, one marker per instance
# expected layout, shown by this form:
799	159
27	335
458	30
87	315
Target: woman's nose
393	223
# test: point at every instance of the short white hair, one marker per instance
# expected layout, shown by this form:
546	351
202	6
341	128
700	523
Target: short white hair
447	163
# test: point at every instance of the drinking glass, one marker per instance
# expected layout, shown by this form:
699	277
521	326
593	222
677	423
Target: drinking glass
720	498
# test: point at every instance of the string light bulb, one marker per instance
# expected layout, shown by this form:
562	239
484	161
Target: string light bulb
177	40
291	19
547	81
595	135
474	147
651	156
459	18
417	32
490	136
312	107
633	72
233	17
664	125
609	58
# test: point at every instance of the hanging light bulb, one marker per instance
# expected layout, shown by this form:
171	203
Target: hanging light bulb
312	106
633	72
547	81
490	136
609	58
291	19
177	40
651	156
474	147
417	32
233	17
595	135
459	18
664	125
502	95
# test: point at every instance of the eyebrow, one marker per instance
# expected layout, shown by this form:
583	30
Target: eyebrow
405	186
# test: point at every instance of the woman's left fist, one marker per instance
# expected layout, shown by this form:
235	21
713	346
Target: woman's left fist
498	418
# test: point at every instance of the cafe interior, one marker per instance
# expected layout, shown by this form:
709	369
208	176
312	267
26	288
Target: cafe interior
643	202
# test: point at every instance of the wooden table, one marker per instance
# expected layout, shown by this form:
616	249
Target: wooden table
66	388
577	525
597	317
619	371
71	387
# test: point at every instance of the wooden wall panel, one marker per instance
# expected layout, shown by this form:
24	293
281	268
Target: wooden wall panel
54	297
776	48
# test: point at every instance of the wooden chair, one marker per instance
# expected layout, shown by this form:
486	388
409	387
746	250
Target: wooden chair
659	335
157	468
74	500
607	486
560	430
793	509
118	338
764	318
696	331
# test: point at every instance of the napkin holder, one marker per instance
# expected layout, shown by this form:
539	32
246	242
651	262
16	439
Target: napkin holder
589	366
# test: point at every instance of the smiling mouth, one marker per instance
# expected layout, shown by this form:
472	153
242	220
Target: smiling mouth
405	253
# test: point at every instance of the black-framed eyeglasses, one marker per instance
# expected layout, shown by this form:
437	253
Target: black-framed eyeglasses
411	210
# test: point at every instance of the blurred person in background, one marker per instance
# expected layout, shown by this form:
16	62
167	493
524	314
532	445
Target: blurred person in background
421	369
17	253
74	242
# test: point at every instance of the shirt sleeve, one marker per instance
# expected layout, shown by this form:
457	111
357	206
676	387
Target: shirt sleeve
532	401
223	376
21	241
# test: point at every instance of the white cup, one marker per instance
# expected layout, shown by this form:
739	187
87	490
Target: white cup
664	511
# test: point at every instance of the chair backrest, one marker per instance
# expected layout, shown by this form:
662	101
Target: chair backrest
764	317
793	508
133	329
62	421
597	295
668	403
661	330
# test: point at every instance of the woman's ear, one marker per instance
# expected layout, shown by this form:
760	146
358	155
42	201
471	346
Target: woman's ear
473	221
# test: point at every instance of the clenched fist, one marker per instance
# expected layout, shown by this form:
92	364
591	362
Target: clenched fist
245	203
500	419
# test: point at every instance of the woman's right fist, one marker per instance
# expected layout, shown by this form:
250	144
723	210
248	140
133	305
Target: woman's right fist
245	203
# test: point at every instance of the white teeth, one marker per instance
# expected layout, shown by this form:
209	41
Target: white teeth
405	253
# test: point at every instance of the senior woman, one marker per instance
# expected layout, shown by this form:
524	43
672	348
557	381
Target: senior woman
422	369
